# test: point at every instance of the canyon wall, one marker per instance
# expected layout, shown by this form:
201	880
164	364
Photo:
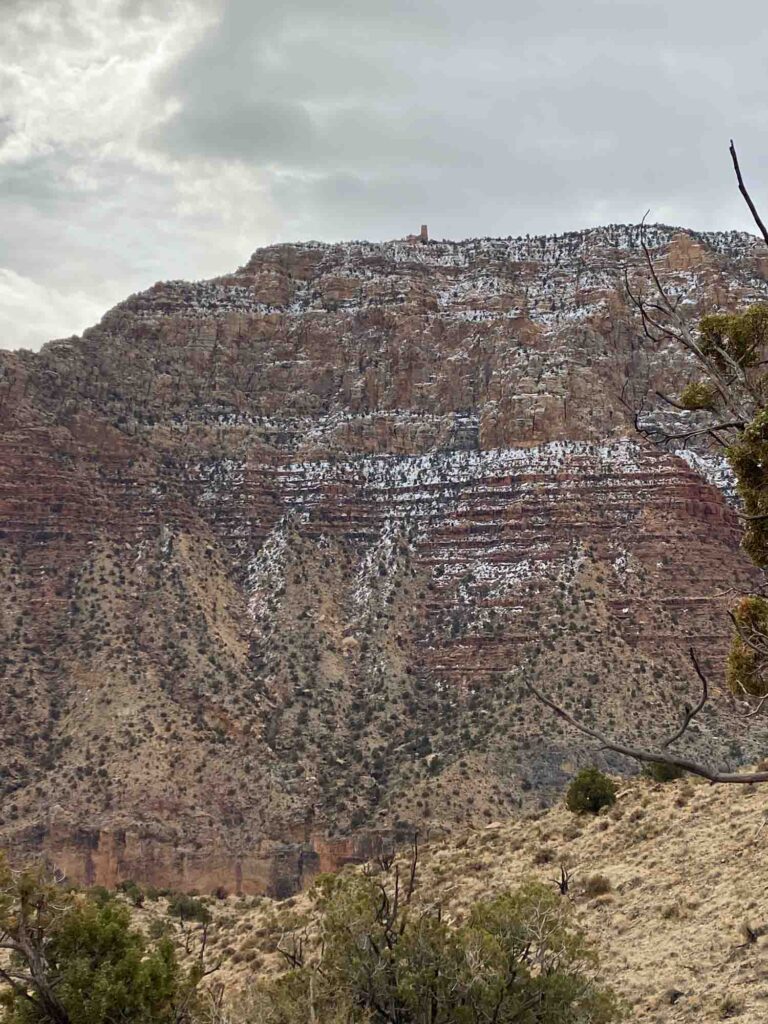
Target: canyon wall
279	551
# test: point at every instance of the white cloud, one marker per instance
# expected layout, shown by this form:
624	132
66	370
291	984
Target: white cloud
33	313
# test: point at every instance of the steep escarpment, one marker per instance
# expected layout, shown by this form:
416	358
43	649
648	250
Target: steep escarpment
279	550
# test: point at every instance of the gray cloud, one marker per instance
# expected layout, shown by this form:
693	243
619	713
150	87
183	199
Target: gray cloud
140	141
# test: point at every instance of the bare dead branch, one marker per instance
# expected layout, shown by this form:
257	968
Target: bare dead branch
690	713
413	866
386	859
660	318
761	649
670	401
747	198
294	954
20	985
647	756
758	708
685	435
564	881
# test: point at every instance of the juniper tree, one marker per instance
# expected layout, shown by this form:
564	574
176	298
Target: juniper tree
66	958
381	957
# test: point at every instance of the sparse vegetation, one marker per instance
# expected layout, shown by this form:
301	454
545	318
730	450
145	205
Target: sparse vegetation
730	1006
321	660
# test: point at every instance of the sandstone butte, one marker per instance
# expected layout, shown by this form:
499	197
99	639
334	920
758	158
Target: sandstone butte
278	550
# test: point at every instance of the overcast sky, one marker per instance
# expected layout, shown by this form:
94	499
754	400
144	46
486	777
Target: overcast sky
143	140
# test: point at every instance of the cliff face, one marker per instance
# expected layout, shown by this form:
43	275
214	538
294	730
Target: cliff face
278	549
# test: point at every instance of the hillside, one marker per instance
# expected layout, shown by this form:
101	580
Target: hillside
678	865
279	548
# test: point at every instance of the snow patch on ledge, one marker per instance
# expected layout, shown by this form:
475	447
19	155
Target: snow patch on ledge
715	469
384	472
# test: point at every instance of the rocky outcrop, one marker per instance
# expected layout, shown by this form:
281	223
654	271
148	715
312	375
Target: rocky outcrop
278	550
110	856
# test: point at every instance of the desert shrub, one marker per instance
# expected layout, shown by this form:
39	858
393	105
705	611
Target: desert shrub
661	772
188	908
517	957
730	1006
590	791
596	885
100	895
544	855
134	893
671	912
154	894
159	929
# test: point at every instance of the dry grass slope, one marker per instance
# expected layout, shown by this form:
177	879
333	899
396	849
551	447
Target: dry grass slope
667	883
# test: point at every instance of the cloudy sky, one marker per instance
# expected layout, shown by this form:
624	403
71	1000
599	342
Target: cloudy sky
142	140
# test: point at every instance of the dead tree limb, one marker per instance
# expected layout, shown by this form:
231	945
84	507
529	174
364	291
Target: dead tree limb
747	198
412	867
563	883
758	707
662	755
760	647
690	713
